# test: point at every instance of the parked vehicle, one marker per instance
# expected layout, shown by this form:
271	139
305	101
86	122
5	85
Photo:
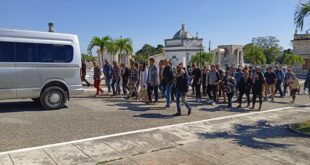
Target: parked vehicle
44	66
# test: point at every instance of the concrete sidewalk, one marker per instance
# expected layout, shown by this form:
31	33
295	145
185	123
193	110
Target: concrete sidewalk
252	138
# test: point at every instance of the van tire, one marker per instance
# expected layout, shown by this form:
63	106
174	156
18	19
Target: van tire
53	98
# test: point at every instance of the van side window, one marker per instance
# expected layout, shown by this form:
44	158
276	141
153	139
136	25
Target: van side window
45	52
26	52
55	53
7	52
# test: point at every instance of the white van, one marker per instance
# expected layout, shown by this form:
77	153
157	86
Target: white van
44	66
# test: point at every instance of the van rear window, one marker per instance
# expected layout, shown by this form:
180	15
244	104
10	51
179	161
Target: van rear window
35	52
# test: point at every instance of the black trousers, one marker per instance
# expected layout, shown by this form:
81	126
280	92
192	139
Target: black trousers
198	92
150	90
213	89
84	79
204	89
125	82
230	96
247	94
260	96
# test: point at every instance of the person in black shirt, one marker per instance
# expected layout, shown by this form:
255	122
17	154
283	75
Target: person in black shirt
168	77
197	81
204	80
125	75
271	80
181	90
83	73
257	88
244	86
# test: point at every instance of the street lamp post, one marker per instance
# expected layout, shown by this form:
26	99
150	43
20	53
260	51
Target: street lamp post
200	62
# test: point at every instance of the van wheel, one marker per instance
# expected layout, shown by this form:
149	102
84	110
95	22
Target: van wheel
53	98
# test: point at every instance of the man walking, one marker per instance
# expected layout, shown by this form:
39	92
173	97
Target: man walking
280	78
107	71
133	80
212	80
116	78
168	78
197	82
271	80
152	81
83	73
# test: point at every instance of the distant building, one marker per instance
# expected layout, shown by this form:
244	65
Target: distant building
301	46
182	47
123	57
231	55
158	57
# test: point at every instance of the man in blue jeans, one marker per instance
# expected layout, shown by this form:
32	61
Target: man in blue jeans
280	78
168	77
107	71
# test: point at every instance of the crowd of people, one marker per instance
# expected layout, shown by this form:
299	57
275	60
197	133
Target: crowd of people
148	83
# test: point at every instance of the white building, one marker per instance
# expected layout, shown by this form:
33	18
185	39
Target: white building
182	47
231	55
301	46
123	58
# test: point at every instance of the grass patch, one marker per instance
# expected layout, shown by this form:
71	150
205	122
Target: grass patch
108	161
303	127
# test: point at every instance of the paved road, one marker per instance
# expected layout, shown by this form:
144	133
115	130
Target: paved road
253	138
25	124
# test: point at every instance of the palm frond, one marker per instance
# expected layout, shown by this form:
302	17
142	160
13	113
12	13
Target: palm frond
302	11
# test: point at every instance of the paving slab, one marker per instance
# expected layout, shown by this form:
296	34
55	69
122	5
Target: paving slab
35	157
5	160
169	157
217	153
124	161
125	146
68	154
184	135
98	150
255	160
283	157
147	140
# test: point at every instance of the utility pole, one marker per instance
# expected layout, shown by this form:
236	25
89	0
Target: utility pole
209	46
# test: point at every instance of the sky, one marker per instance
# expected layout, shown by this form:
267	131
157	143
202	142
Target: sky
222	22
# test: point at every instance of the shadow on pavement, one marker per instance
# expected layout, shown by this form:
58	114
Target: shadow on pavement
254	136
21	106
154	116
211	108
133	105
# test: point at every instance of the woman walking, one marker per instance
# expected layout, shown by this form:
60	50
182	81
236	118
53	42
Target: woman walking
181	90
143	83
257	88
230	88
244	87
97	79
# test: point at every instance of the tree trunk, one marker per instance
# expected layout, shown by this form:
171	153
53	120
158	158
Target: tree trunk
119	56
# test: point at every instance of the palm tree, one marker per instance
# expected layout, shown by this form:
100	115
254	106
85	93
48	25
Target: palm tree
123	44
302	11
112	49
102	44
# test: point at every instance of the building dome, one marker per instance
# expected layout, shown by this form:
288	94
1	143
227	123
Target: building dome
182	34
